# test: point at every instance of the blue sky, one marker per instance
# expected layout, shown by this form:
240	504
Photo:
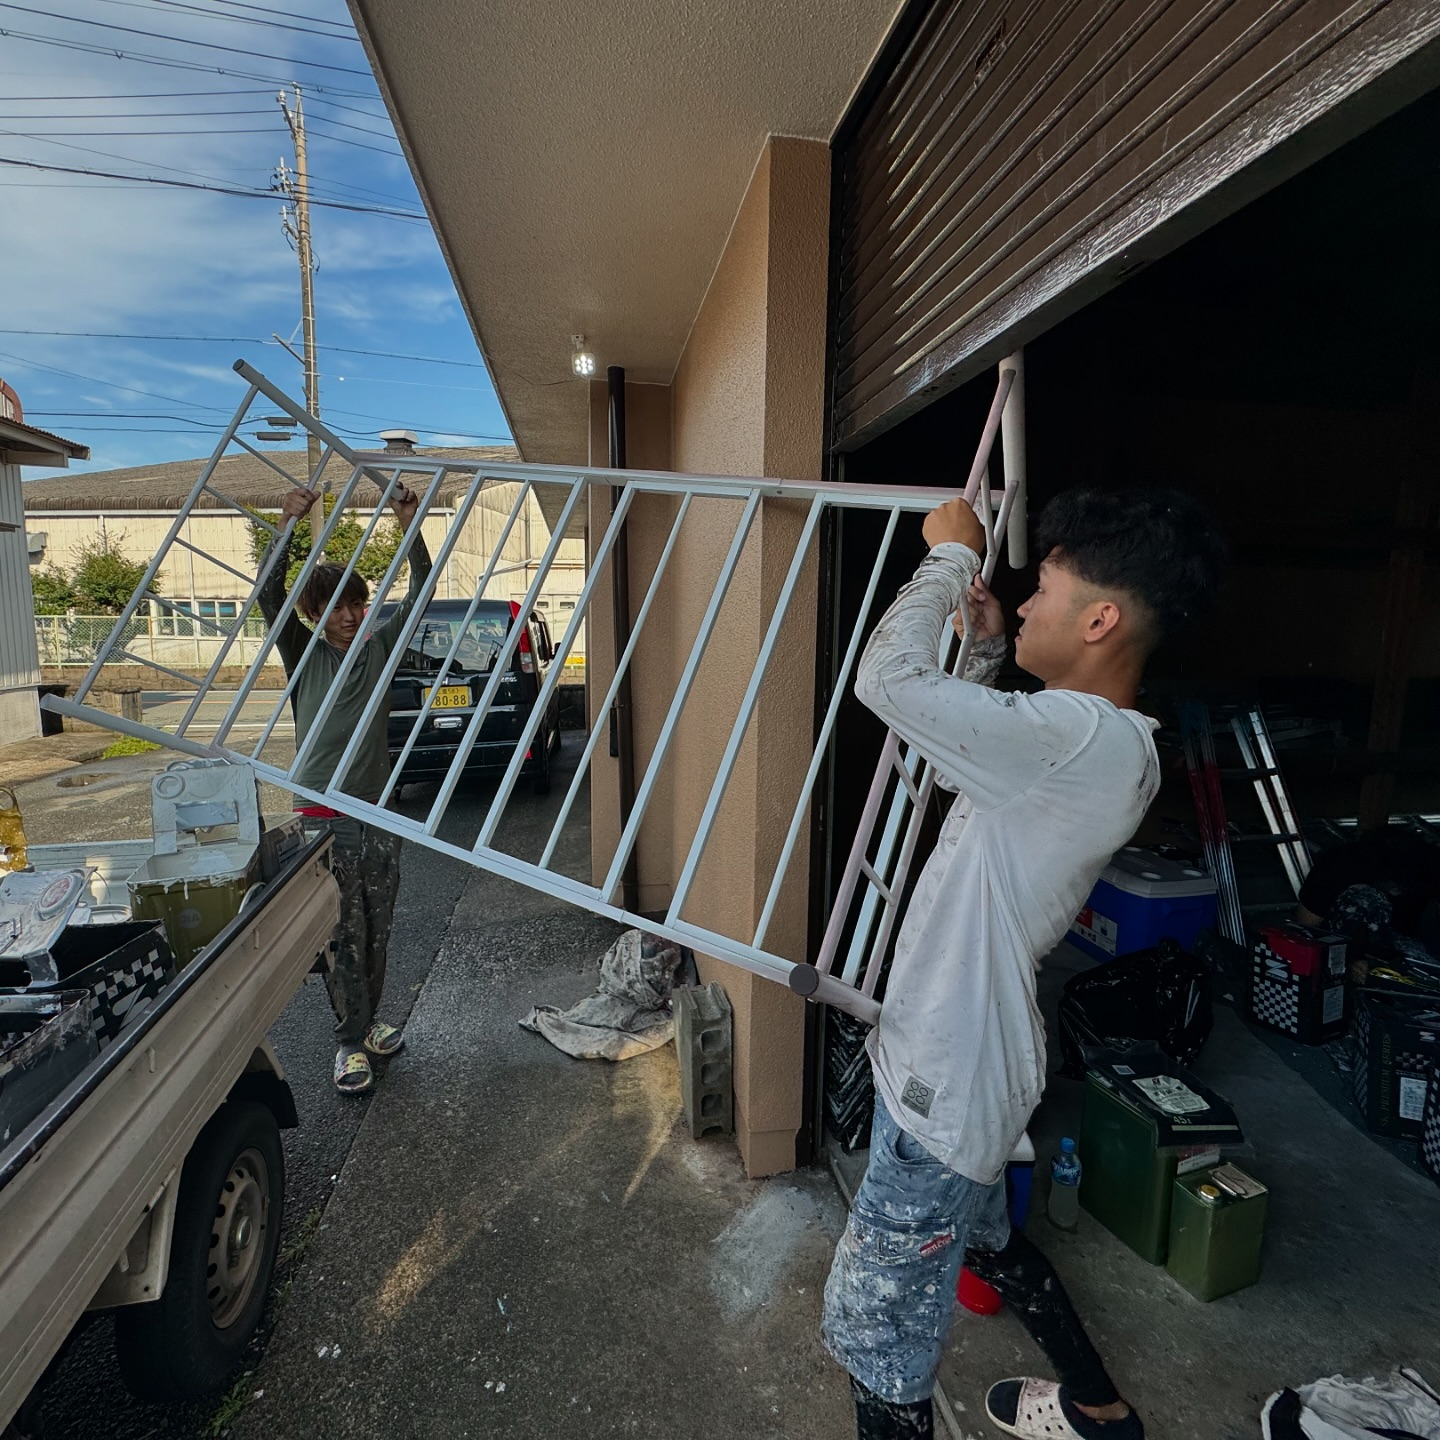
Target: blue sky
115	258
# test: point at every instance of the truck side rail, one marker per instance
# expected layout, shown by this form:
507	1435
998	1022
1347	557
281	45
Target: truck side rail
80	1179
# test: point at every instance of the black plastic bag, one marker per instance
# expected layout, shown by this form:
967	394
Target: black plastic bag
1161	995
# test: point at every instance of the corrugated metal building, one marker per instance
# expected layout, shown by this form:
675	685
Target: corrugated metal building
20	444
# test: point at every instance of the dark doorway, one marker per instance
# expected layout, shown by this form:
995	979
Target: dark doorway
1282	366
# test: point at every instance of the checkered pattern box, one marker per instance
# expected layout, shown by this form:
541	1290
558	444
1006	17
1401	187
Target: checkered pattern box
1430	1123
1397	1045
122	966
1297	983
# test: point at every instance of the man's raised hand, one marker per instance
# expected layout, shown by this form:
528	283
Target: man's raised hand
956	522
295	504
403	502
987	618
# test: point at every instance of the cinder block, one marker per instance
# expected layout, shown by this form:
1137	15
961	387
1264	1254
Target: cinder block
705	1049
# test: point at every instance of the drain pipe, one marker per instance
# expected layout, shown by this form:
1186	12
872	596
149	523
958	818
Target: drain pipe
622	729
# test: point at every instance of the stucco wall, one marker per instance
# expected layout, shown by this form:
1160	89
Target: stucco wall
747	399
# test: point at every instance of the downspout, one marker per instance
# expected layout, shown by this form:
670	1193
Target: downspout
622	731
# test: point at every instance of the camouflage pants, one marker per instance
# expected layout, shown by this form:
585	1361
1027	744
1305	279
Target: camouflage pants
366	862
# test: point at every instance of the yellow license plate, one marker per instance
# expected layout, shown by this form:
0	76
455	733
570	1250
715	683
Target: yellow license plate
450	697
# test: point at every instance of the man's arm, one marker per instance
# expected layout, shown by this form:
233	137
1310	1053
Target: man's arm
293	636
990	745
404	505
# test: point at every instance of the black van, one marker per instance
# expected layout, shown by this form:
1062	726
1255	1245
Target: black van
455	700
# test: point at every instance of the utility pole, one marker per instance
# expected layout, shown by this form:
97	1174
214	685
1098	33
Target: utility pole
295	217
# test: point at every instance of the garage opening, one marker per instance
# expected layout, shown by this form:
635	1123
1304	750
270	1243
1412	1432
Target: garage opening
1282	366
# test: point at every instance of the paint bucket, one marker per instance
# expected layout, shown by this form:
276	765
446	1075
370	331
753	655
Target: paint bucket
976	1295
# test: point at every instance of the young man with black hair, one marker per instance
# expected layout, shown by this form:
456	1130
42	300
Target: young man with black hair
366	859
1050	786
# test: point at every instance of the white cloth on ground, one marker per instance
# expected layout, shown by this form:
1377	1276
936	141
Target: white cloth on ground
629	1013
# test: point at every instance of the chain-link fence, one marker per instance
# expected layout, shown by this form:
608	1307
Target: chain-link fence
178	641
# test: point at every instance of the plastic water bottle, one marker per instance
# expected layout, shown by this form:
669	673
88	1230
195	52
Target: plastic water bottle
1063	1207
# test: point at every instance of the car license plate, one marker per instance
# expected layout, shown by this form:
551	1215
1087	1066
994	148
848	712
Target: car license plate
449	697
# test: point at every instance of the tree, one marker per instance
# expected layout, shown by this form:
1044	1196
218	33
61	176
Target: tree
52	591
344	539
105	578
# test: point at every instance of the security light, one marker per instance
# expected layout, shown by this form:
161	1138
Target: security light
582	361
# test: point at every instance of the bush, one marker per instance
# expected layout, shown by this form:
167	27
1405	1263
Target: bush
346	536
52	591
105	578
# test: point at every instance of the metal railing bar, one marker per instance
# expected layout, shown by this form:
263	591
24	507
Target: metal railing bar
291	603
134	728
428	703
917	498
557	665
381	693
502	662
238	508
153	569
268	561
746	711
904	762
827	725
184	544
278	543
682	693
593	740
192	682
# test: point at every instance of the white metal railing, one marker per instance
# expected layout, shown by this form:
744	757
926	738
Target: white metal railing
173	638
878	878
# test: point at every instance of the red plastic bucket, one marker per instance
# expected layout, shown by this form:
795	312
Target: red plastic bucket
976	1295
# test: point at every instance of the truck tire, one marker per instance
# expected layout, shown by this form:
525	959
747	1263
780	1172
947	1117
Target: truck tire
222	1254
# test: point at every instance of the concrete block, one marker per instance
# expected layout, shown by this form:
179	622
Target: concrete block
705	1049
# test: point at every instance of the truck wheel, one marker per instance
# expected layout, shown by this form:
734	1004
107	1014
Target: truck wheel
227	1229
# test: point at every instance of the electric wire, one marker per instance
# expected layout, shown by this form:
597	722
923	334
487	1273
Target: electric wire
181	40
168	62
209	14
255	194
237	340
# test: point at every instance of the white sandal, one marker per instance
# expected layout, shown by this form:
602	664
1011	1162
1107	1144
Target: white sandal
1038	1415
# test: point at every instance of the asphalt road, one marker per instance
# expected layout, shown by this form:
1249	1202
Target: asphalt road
84	1397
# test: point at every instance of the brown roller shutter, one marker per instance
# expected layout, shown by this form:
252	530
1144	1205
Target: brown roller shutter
1018	156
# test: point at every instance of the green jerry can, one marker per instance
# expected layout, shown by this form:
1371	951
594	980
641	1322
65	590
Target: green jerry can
1145	1121
1217	1225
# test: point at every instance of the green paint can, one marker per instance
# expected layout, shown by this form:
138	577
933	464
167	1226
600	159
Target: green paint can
1217	1227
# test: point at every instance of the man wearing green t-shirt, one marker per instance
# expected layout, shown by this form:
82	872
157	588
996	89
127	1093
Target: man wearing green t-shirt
366	859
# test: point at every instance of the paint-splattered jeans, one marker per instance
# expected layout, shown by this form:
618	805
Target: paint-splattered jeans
891	1293
366	863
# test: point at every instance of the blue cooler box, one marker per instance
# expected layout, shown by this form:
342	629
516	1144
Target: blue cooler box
1140	899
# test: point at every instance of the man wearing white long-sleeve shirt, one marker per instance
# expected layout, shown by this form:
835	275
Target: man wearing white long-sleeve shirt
1050	785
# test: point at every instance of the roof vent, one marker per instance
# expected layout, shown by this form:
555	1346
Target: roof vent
399	442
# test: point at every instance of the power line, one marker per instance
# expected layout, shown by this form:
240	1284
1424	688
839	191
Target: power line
112	384
111	155
148	115
216	189
150	95
235	340
168	62
270	10
236	19
363	129
182	40
358	144
137	134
